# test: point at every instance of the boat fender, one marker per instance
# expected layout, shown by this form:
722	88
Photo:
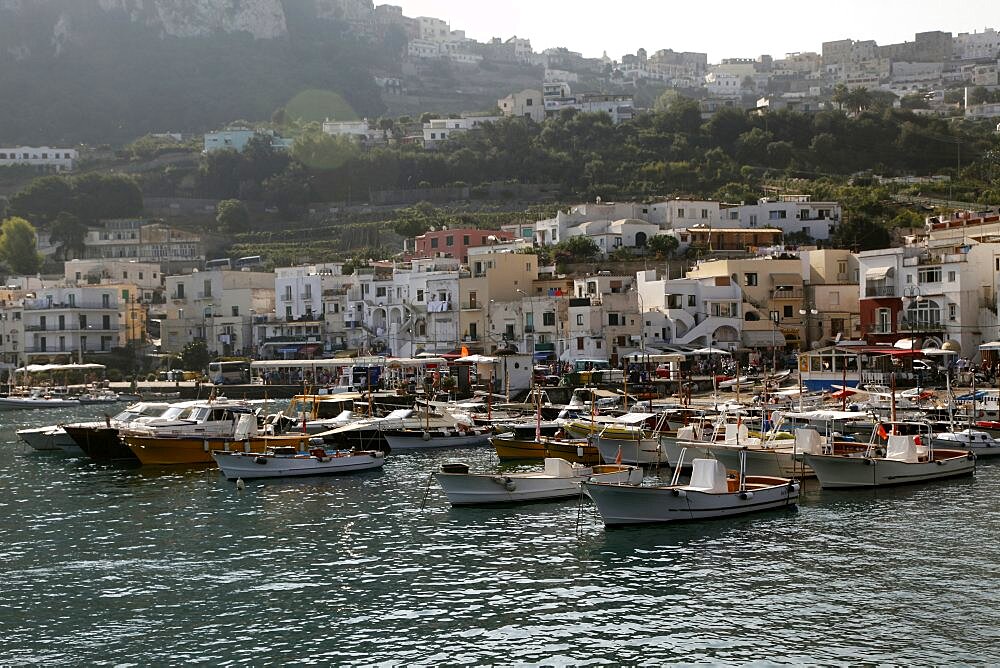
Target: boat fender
260	460
204	444
509	485
246	446
426	436
579	451
746	495
680	492
793	487
971	455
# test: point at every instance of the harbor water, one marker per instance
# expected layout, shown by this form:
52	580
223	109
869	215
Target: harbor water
117	565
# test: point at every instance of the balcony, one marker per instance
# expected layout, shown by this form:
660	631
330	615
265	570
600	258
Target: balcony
794	293
872	290
39	305
306	295
204	296
528	329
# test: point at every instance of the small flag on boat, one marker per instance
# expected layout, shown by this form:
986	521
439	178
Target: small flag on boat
465	351
883	434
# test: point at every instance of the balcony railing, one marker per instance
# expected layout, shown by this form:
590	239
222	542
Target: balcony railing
880	290
90	305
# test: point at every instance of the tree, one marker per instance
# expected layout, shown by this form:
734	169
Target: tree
577	249
69	233
318	150
859	234
101	196
195	356
232	216
663	245
43	199
19	246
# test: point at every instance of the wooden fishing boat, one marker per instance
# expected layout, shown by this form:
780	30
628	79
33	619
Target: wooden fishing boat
509	447
559	479
287	461
908	457
711	494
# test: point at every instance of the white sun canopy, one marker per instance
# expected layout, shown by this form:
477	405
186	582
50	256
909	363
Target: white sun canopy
38	368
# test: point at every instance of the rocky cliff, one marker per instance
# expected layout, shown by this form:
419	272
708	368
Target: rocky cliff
111	70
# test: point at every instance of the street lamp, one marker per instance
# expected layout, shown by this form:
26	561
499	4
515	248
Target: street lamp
912	293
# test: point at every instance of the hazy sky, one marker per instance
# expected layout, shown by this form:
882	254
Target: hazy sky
723	28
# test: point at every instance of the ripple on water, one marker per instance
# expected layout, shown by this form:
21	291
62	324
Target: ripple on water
133	565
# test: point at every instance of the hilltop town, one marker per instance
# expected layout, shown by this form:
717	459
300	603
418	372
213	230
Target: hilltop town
594	207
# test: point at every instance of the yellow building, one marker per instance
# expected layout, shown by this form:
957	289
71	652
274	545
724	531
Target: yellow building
773	297
492	277
832	299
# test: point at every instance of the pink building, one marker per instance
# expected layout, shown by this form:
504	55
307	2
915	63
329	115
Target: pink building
454	243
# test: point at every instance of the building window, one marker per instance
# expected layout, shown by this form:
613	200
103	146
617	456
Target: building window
680	213
236	311
788	311
434	242
612	319
750	279
449	240
777	215
549	319
420	295
579	343
952	312
929	275
380	291
753	220
924	313
465	239
951	277
883	321
579	319
704	213
692	301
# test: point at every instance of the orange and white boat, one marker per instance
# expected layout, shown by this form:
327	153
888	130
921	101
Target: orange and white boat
190	432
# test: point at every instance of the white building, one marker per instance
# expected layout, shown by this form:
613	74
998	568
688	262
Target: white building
977	45
219	307
438	130
602	318
43	158
360	129
526	104
64	323
143	241
789	213
690	311
144	275
723	84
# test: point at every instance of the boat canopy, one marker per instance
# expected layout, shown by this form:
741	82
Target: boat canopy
38	368
657	358
824	415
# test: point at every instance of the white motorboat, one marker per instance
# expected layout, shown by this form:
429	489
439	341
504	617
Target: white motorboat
980	442
909	457
52	438
36	399
711	494
738	382
100	397
558	480
287	461
442	437
369	432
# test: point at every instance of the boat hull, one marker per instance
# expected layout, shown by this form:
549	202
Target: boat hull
417	441
673	447
235	465
642	452
512	449
50	439
154	451
469	489
777	462
845	472
622	505
100	442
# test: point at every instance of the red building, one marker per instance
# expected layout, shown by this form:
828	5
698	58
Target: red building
454	243
879	319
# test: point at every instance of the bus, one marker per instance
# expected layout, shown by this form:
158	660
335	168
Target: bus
220	263
229	373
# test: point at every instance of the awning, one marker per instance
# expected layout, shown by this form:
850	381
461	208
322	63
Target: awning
992	345
878	273
760	338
